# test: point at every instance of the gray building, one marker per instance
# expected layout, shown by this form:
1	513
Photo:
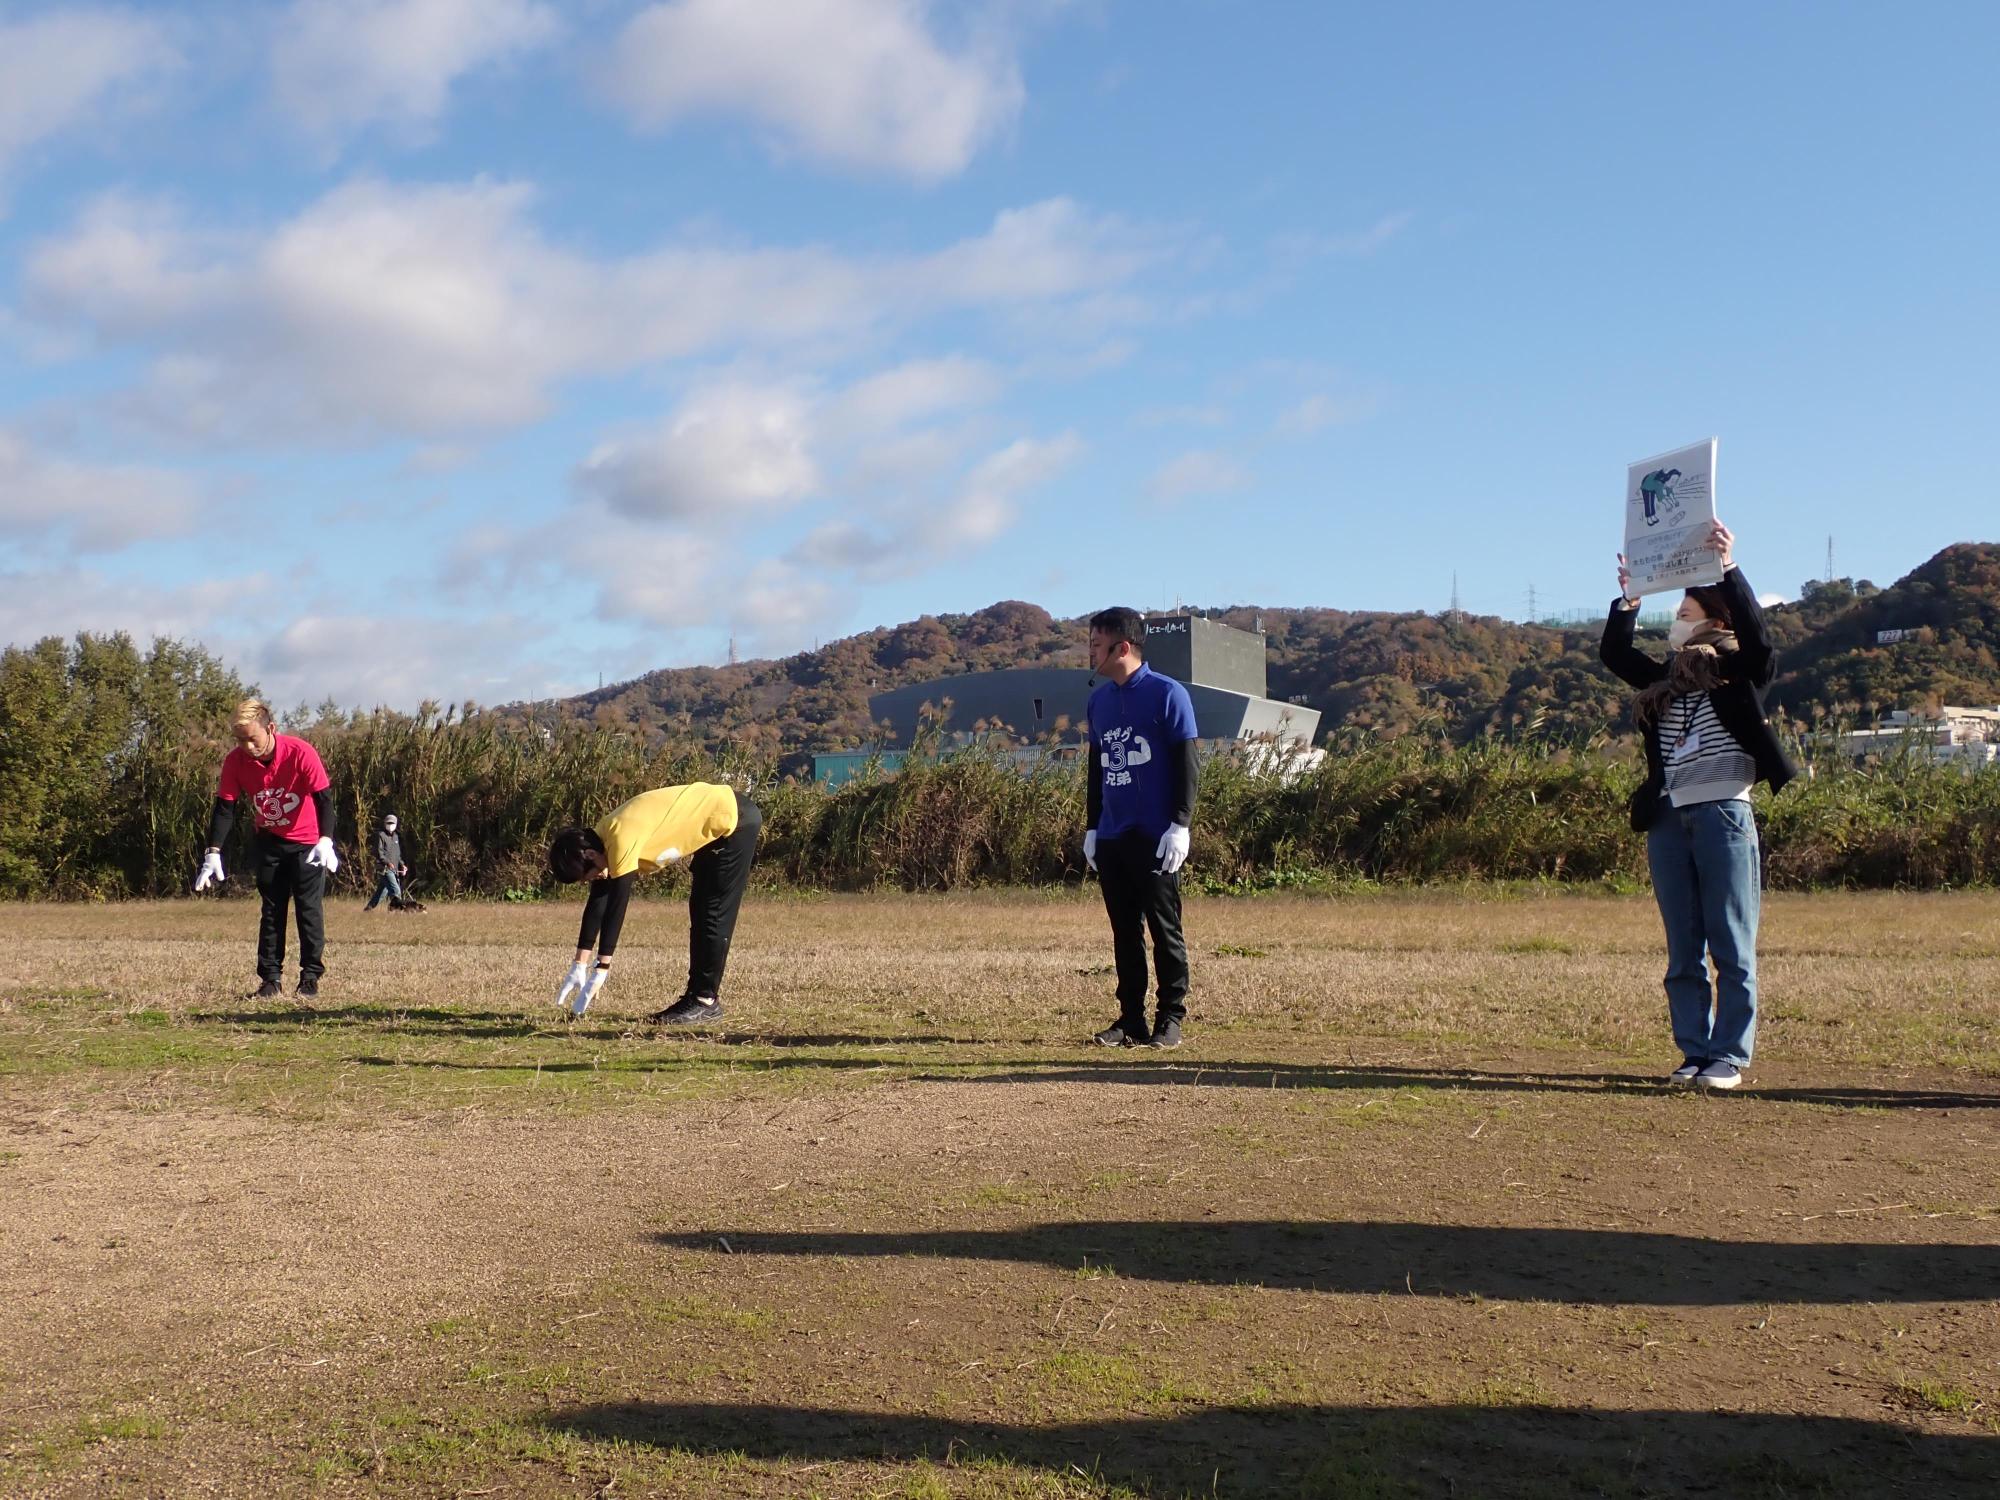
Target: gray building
1221	666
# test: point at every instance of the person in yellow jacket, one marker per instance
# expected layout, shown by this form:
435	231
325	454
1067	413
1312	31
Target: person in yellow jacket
706	826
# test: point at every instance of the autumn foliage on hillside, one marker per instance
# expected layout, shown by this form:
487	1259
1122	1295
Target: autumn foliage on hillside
1380	671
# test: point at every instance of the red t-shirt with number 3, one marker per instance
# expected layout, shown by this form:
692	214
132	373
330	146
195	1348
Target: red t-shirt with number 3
280	792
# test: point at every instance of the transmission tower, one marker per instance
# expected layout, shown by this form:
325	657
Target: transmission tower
1454	594
1533	613
1829	559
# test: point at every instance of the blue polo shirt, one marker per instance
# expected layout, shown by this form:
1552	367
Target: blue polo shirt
1132	729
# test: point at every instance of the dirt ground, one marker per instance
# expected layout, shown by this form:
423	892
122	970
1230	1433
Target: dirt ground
1409	1214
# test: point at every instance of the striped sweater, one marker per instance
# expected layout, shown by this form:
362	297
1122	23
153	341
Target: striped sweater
1704	763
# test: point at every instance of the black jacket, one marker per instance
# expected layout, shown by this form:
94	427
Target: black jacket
1739	702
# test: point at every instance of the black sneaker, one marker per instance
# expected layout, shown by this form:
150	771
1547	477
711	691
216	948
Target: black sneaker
1118	1034
268	990
687	1011
1166	1036
308	987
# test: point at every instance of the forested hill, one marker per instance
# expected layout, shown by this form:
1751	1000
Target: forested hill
1386	670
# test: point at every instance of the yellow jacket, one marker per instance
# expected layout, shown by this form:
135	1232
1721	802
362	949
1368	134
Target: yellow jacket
656	828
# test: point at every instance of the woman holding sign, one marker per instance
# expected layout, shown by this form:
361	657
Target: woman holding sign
1707	743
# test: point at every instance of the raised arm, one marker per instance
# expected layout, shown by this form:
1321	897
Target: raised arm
1616	650
1758	657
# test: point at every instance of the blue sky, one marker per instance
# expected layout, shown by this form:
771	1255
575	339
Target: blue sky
475	348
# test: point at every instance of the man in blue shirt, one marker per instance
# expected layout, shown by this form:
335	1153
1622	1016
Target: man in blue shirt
1141	803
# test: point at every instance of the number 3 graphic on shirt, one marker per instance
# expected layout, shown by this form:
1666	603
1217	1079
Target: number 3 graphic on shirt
1118	756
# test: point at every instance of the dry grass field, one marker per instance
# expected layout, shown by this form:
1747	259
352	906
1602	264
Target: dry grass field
1408	1215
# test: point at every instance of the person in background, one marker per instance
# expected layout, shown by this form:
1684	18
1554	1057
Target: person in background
710	828
1140	806
389	856
291	852
1701	712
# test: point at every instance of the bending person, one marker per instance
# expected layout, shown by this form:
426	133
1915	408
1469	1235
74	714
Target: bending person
709	827
1707	743
291	807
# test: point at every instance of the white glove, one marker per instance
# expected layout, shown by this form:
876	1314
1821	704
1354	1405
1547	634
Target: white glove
211	870
668	857
1173	850
323	856
1090	848
574	981
589	992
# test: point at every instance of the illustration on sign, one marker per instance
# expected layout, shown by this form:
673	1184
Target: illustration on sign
1657	489
1669	504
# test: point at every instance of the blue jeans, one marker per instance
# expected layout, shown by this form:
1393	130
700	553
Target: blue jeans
388	885
1705	877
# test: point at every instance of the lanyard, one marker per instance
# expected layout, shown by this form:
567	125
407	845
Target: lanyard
1687	722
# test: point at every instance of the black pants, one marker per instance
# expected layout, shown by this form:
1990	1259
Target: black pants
1138	897
283	876
721	874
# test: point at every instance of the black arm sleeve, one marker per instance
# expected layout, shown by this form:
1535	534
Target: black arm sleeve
1186	765
1753	637
221	818
1093	798
1617	652
323	810
604	914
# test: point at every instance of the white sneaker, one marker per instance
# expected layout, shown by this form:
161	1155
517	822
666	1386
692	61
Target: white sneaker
1685	1073
1719	1075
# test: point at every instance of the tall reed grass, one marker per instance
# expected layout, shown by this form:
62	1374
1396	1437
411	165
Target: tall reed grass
480	796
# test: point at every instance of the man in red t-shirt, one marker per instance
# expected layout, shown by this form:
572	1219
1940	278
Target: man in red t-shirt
291	808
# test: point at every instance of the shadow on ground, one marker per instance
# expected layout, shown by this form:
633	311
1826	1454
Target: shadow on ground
495	1024
1329	1451
1182	1071
1281	1075
1605	1266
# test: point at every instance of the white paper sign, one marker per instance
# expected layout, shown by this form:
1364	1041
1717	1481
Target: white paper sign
1669	505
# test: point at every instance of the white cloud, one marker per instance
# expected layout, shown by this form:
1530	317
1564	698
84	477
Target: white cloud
1189	415
859	83
779	608
1322	409
63	601
1200	471
919	388
90	507
440	311
987	503
339	66
843	546
1294	248
725	450
399	660
358	660
63	68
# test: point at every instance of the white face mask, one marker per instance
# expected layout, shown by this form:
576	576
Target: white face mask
1680	633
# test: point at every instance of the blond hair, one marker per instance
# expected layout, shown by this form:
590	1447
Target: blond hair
252	711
